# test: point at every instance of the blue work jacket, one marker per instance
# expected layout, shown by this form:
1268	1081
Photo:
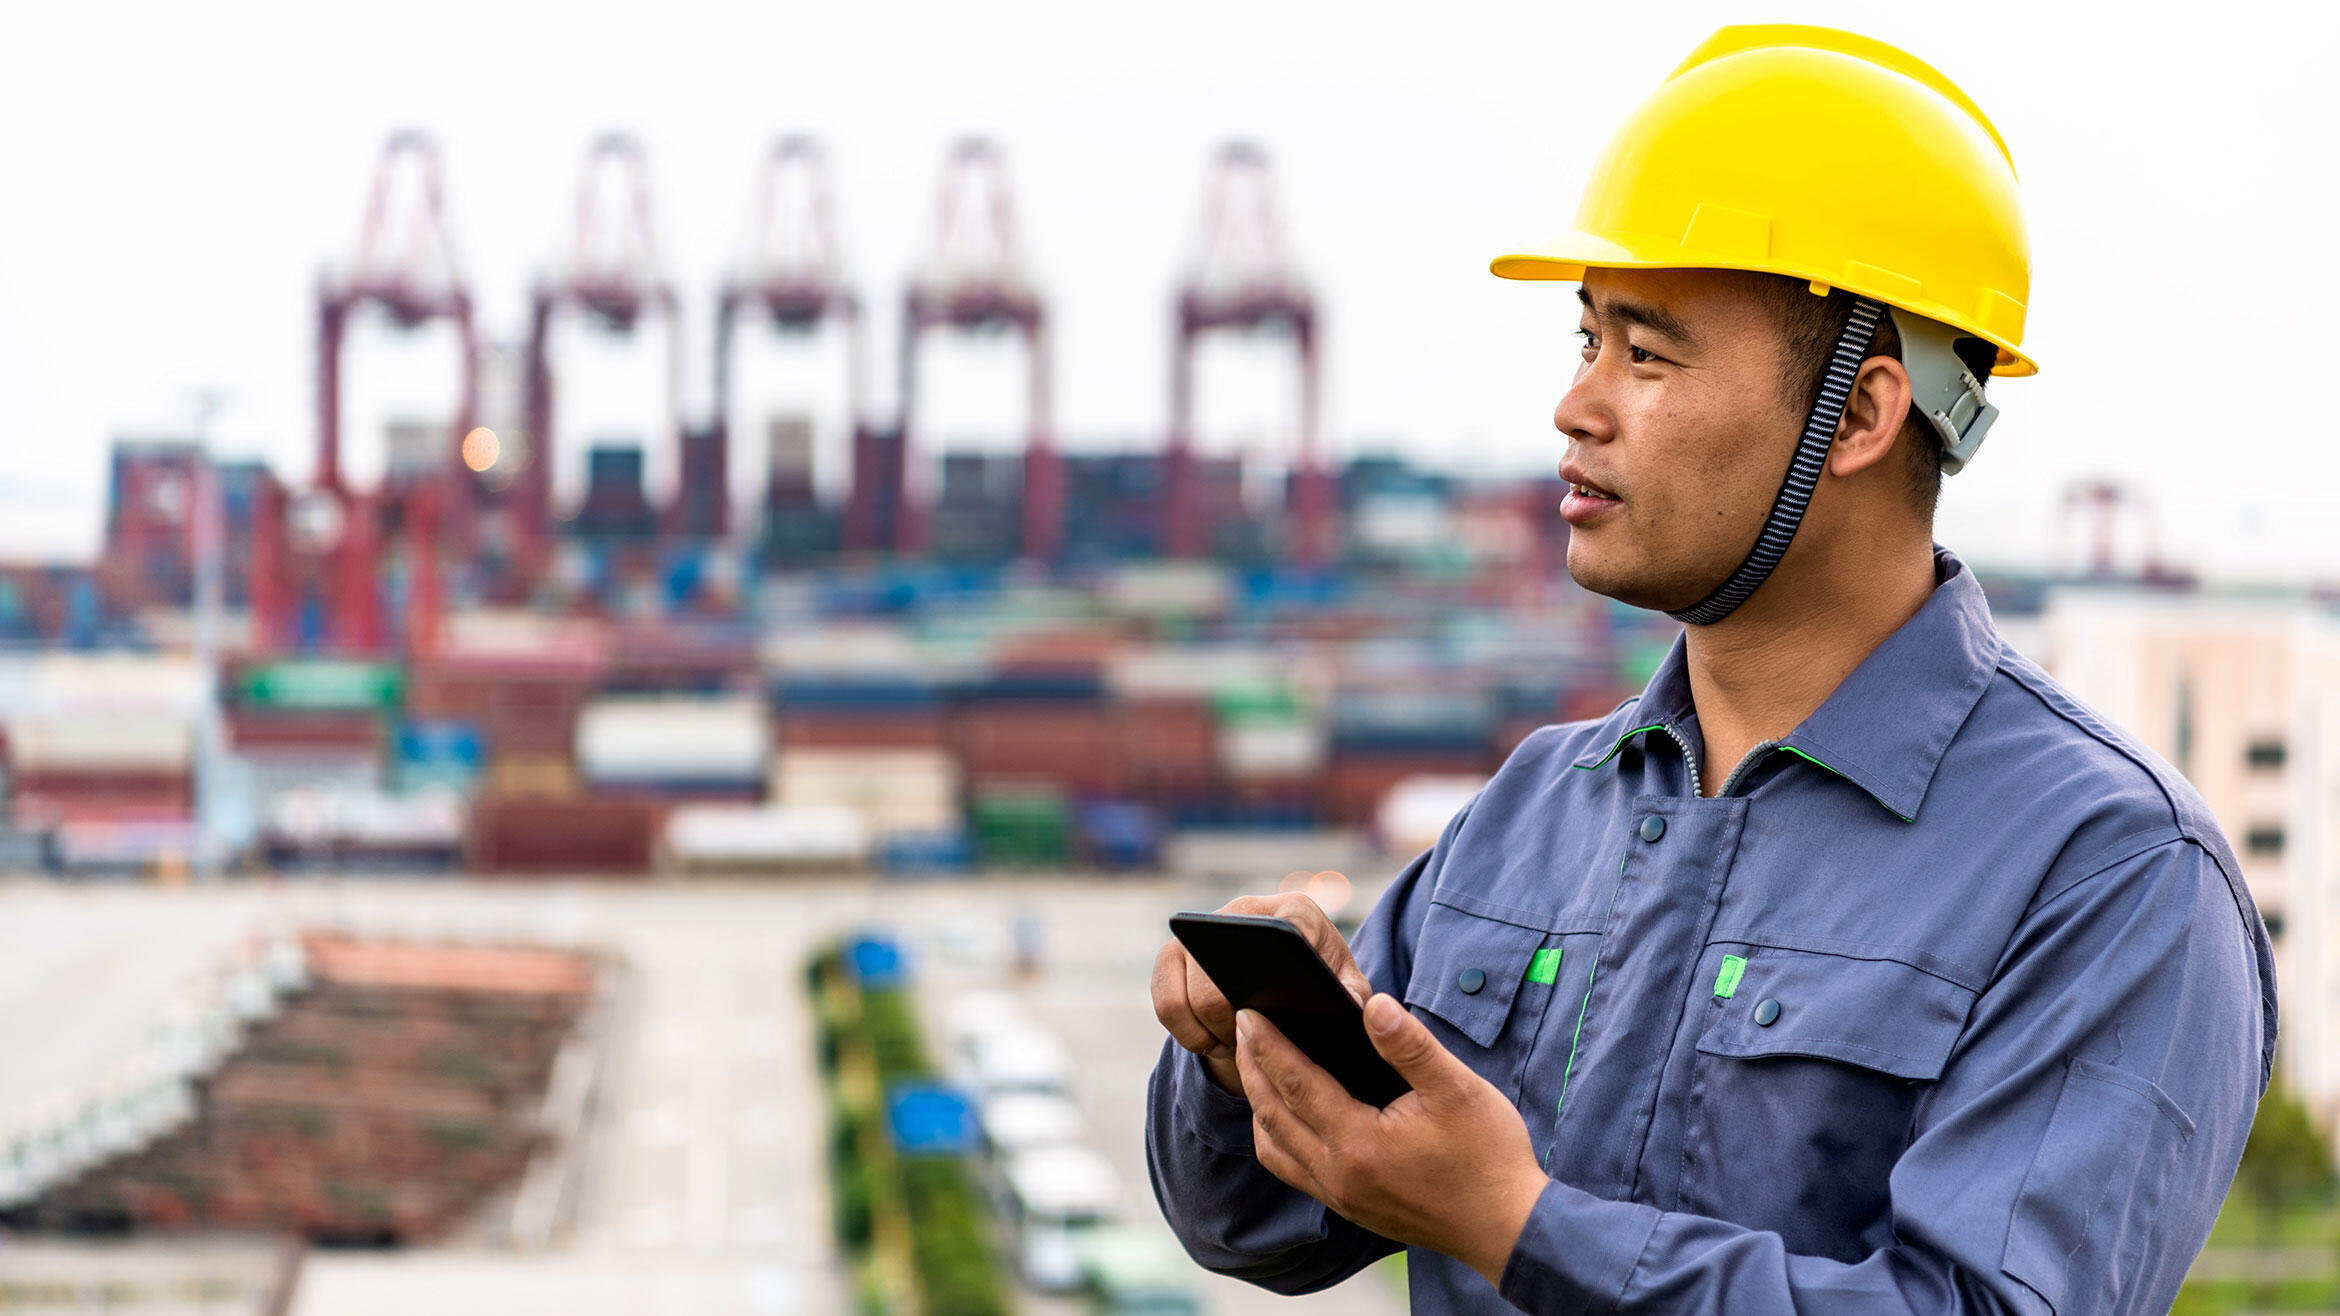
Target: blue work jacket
1953	1000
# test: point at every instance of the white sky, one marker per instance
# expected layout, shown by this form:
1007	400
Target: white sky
174	175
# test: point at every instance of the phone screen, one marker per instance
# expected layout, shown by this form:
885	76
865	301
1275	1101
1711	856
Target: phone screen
1265	964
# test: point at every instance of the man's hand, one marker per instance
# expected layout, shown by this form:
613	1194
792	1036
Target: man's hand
1448	1166
1191	1006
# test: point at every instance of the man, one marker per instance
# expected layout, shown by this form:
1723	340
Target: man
1853	967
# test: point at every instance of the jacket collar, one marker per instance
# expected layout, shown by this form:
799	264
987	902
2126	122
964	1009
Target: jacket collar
1887	725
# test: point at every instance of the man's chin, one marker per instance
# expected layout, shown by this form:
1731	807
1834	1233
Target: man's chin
1636	589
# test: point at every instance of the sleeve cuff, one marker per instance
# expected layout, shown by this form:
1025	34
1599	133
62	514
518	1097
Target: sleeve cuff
1577	1252
1213	1116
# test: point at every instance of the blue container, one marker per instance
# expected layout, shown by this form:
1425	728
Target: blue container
848	694
442	742
1027	687
926	852
1118	833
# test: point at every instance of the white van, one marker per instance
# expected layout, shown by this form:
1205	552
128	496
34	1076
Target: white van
1058	1197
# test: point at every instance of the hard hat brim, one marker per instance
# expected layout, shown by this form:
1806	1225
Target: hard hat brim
1565	259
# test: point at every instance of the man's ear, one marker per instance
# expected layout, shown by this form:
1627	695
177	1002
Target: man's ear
1872	417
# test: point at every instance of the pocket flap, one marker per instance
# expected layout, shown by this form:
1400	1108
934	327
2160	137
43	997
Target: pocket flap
1468	968
1880	1014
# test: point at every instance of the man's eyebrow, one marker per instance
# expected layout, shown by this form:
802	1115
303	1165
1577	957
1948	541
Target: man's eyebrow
1656	319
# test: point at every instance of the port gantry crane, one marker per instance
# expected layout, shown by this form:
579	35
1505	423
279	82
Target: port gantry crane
793	279
325	543
975	281
1244	279
612	275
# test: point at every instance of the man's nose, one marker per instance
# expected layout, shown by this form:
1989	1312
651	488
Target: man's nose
1584	411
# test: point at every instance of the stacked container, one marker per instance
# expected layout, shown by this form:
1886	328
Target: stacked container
1383	736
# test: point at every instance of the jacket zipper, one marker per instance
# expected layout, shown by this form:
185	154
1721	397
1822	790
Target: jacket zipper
1689	756
1749	761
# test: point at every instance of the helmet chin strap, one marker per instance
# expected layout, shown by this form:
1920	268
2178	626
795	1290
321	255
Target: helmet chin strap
1803	474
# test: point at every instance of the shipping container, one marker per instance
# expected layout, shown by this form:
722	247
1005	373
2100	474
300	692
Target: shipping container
892	790
671	657
342	827
554	837
905	853
1267	749
533	777
325	685
1353	788
437	753
924	729
1025	826
706	838
268	731
45	799
674	742
1076	746
94	741
1169	747
1416	811
1117	834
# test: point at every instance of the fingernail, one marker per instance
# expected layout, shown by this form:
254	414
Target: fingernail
1383	1015
1243	1025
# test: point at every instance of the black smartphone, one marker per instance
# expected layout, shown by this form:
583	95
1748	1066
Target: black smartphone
1264	964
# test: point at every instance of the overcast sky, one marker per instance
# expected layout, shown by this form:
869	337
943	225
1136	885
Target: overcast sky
175	176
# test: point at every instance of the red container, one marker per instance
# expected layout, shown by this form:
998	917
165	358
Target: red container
520	708
253	731
1169	748
587	835
1076	746
1058	651
668	658
1353	787
924	729
51	796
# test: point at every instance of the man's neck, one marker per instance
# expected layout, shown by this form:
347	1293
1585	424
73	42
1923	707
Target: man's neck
1757	674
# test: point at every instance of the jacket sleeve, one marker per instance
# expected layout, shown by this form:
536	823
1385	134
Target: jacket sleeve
2069	1160
1231	1214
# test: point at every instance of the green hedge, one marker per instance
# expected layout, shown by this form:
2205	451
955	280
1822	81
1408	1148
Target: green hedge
951	1256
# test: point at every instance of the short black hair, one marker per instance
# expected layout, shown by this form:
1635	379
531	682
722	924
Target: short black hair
1810	326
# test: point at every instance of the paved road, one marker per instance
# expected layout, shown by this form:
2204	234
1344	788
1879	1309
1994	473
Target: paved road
702	1189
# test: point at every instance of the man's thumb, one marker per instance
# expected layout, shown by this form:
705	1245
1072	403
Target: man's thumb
1405	1042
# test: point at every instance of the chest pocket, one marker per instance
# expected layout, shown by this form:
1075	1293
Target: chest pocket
1806	1083
1468	969
1880	1014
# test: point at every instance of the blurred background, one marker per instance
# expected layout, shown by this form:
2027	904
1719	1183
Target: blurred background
617	630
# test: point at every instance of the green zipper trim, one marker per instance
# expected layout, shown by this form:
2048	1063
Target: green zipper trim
1561	1106
1619	747
1863	789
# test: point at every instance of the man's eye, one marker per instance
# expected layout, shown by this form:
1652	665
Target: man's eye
1643	356
1592	343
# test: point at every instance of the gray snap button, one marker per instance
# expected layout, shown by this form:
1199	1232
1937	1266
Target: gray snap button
1653	827
1471	981
1766	1010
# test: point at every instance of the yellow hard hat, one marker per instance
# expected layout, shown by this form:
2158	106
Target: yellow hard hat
1818	154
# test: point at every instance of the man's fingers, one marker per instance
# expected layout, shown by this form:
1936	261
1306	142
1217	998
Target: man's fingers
1281	1163
1405	1042
1271	1104
1304	914
1210	1007
1174	1004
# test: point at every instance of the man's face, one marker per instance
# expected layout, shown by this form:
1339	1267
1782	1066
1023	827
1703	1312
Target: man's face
1679	422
